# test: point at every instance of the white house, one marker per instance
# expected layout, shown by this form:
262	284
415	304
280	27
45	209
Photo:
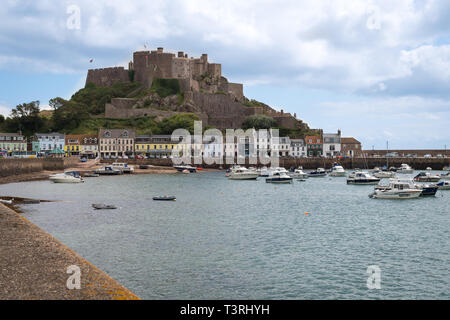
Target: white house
50	141
298	148
332	144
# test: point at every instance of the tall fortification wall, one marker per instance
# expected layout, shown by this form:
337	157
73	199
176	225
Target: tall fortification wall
107	77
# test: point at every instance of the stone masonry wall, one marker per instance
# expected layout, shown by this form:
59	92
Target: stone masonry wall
107	76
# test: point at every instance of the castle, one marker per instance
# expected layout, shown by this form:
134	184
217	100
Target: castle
206	92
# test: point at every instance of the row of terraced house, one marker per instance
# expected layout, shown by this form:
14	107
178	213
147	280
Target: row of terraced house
119	143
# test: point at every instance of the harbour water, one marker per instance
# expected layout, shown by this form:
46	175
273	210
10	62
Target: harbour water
227	239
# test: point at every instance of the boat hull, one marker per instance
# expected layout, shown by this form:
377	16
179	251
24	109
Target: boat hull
279	180
396	195
247	176
338	174
363	182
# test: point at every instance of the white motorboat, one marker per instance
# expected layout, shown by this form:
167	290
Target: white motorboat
279	177
378	173
108	170
426	189
263	172
181	168
66	177
362	178
299	174
405	169
429	168
445	176
337	171
124	167
242	173
444	185
427	177
319	173
396	190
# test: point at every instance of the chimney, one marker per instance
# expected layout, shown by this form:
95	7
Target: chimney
180	54
160	50
339	132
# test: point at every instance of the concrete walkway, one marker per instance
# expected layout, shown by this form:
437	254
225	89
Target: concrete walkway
33	265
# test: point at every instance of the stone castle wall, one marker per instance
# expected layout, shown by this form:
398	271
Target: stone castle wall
107	77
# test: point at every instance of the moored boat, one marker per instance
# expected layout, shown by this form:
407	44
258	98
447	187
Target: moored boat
337	171
108	170
427	177
396	190
279	177
165	198
102	206
383	174
242	173
445	176
443	185
124	167
181	168
319	173
299	174
67	177
362	178
405	169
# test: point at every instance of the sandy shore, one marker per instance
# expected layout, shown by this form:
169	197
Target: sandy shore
33	266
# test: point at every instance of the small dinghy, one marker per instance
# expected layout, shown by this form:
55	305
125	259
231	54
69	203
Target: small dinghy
165	198
99	206
7	201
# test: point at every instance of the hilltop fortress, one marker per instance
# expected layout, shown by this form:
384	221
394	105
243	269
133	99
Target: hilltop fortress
205	91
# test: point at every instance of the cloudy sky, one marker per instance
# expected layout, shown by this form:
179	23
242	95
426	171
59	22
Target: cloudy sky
377	70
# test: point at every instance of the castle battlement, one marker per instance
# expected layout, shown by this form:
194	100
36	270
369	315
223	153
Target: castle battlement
148	65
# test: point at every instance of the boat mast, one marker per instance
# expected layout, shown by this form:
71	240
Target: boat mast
387	151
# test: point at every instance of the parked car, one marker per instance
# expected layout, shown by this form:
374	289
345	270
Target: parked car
439	156
428	156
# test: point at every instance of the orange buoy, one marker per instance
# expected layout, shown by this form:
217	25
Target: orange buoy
306	213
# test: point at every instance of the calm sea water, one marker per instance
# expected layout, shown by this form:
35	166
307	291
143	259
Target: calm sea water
227	239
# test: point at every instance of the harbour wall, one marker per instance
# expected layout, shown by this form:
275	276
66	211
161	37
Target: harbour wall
314	163
10	167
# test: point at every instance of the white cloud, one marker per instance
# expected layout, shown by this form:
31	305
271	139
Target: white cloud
4	110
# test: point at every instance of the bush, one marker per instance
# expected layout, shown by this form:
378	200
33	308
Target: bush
166	87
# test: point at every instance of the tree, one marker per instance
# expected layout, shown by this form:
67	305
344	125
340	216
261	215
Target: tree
26	110
259	122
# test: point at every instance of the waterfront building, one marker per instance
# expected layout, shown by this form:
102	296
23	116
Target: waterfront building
12	142
89	146
314	146
350	147
298	148
155	146
115	143
332	144
48	142
72	145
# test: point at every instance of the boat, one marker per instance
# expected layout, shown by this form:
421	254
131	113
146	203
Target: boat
427	177
124	167
102	206
396	190
337	171
165	198
242	173
299	174
443	185
263	172
426	189
446	168
143	166
320	172
429	169
7	201
66	177
279	177
362	178
378	173
108	170
445	176
91	175
182	168
405	169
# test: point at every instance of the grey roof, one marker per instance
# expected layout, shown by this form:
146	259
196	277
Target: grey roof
118	133
50	134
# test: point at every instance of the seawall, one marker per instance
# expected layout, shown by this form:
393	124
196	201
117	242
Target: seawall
314	163
34	266
9	167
